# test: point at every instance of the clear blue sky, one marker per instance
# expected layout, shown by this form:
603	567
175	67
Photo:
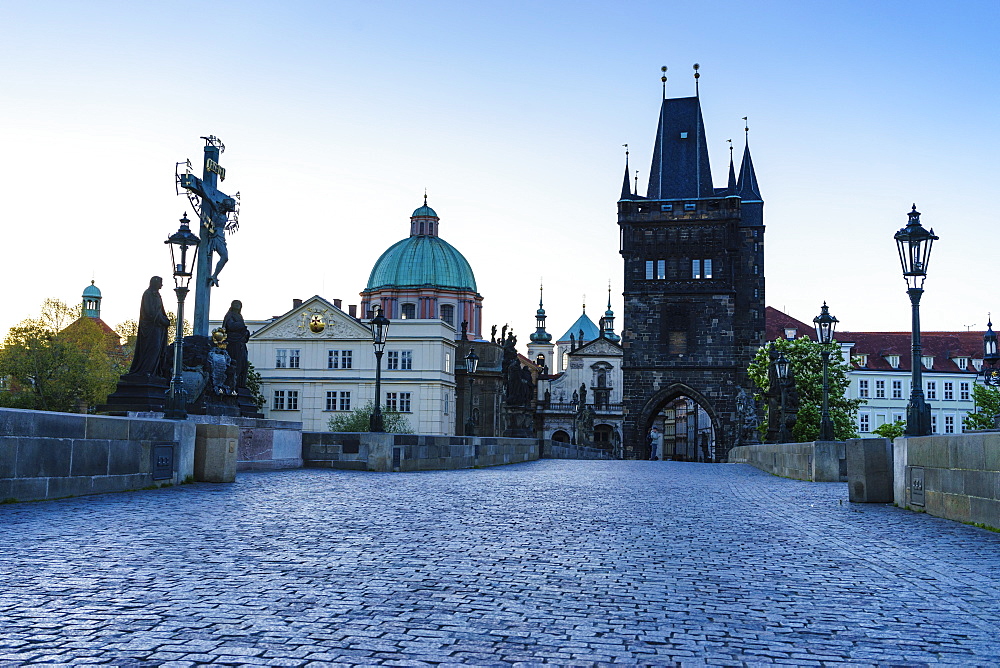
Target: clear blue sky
337	115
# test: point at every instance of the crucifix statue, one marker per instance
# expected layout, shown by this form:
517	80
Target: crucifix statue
219	213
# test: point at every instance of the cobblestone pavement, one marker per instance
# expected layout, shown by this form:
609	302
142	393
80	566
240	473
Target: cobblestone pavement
562	562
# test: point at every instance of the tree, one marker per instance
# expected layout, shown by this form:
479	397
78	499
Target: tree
48	365
987	402
358	420
891	431
807	365
254	381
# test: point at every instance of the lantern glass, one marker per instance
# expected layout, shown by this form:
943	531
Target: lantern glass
180	243
380	329
990	345
914	245
781	366
472	362
825	325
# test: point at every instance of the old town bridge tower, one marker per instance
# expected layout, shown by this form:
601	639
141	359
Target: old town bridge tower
694	293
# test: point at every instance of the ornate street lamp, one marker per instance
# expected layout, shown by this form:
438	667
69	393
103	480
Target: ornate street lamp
471	365
990	355
782	371
825	326
180	242
380	331
914	245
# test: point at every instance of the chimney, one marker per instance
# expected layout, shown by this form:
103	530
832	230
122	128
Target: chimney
352	310
296	303
337	303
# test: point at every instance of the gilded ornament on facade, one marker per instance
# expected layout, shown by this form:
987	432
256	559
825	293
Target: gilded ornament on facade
316	324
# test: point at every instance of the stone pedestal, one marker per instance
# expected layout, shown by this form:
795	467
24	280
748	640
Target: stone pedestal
137	393
215	450
869	470
247	405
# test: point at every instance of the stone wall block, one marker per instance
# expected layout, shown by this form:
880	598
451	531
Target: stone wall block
90	457
8	456
63	487
215	452
28	489
107	427
5	489
985	511
43	457
151	430
128	457
967	452
957	507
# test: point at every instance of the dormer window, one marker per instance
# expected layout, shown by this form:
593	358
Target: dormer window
977	364
962	362
893	361
927	361
861	360
791	333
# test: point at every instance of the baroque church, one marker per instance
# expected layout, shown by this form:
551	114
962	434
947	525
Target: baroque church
694	291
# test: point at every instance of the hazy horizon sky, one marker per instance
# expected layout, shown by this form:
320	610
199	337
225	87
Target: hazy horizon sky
337	115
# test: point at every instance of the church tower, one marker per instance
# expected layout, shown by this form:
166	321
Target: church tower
694	292
540	341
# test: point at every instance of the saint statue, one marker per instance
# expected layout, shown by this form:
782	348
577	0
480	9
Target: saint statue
151	341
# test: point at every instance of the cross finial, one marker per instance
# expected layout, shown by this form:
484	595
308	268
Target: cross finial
626	150
746	126
696	77
730	149
663	80
637	181
541	289
425	196
584	302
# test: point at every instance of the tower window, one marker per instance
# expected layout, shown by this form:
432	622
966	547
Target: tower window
690	206
409	311
695	268
666	207
684	135
649	270
661	269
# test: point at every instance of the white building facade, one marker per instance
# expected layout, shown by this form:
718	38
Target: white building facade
317	362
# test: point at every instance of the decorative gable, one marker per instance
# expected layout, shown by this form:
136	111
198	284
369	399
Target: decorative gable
601	347
316	318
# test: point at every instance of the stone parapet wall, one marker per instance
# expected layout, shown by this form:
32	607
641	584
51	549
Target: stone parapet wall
412	452
816	461
557	450
955	476
264	445
48	455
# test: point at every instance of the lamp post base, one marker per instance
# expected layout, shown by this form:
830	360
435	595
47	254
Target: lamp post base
918	419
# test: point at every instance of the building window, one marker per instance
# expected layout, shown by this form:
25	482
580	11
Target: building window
661	269
864	423
880	389
286	358
339	359
932	389
406	360
977	364
934	428
331	401
398	401
949	424
949	391
689	206
897	389
927	361
392	360
963	391
448	314
893	361
345	401
279	400
695	268
649	270
963	363
863	389
447	362
666	207
707	267
408	311
447	403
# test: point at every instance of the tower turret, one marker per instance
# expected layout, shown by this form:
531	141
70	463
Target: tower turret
91	301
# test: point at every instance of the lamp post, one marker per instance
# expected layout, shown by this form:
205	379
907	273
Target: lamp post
990	355
380	331
179	242
781	370
825	326
471	365
914	245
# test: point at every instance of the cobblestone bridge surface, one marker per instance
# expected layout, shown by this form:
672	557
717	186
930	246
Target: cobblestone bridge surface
562	562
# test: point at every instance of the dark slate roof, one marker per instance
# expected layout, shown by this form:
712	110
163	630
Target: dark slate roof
680	167
944	347
746	186
626	185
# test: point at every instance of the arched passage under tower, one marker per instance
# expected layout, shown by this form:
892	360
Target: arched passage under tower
687	422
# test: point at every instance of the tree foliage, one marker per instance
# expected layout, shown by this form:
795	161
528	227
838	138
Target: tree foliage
987	402
254	381
58	363
806	362
891	430
358	420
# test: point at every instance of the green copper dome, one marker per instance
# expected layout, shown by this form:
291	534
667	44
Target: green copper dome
91	291
422	260
424	211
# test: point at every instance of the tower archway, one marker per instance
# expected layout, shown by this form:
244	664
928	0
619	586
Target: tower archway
687	422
